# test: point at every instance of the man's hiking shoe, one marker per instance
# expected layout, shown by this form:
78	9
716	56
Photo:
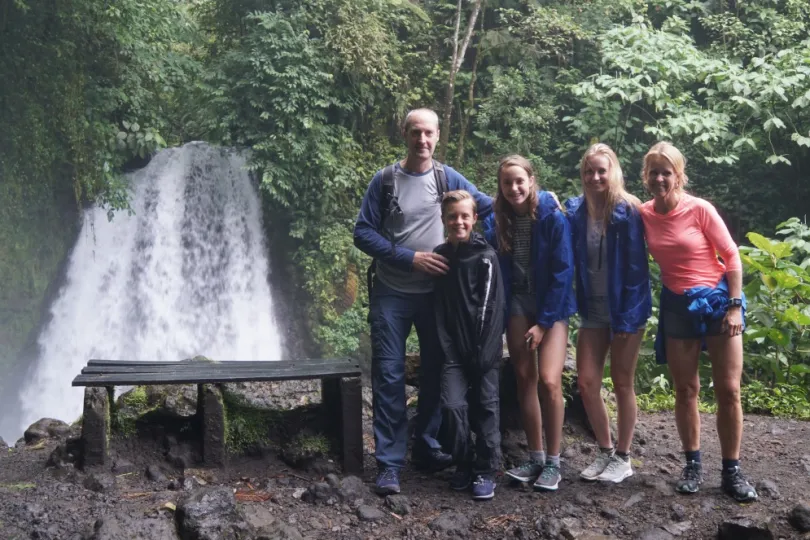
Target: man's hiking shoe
691	478
432	460
387	482
549	479
597	467
526	472
462	478
616	471
735	484
483	487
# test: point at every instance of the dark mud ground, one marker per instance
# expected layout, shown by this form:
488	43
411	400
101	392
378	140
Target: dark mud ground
41	502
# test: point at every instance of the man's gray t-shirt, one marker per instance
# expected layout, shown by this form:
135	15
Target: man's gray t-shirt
416	224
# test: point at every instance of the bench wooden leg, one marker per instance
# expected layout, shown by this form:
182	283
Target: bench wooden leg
96	426
343	403
211	412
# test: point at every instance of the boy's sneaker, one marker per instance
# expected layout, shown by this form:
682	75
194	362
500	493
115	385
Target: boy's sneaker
597	467
483	487
431	459
526	472
462	477
616	471
549	479
736	485
387	482
691	478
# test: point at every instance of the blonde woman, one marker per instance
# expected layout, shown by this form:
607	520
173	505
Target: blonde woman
613	299
701	304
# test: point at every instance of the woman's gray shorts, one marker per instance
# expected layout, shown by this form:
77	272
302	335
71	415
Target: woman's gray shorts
523	304
598	313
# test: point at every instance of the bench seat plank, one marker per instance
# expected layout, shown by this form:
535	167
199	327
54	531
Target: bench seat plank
220	367
202	376
97	362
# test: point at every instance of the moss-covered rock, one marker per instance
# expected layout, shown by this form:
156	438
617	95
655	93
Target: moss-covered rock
247	428
304	448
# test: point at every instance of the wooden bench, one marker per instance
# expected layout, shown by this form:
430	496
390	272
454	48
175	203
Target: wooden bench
341	391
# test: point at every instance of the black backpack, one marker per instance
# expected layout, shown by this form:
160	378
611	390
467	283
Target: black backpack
388	201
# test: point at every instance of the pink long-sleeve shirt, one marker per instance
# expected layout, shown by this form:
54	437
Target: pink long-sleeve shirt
685	243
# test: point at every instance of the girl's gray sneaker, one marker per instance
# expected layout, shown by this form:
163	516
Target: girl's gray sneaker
526	472
549	479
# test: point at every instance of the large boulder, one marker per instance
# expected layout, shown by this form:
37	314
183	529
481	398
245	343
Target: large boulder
210	514
45	428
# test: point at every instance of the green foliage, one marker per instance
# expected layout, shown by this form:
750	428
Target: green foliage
778	287
20	486
246	427
780	400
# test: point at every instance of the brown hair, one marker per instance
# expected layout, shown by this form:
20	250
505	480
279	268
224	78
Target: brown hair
616	191
668	152
504	213
458	195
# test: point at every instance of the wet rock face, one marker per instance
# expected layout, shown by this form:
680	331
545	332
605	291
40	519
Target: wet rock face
800	517
134	527
67	453
179	401
45	428
350	490
211	514
99	482
752	527
451	523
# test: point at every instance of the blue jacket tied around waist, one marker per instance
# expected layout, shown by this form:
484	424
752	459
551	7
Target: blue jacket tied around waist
628	270
705	304
552	262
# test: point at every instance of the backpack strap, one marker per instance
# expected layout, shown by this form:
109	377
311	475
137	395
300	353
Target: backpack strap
386	199
386	193
441	179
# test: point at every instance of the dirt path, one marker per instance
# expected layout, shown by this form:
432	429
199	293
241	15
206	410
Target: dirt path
40	502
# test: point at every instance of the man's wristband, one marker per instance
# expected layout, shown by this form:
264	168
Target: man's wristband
734	302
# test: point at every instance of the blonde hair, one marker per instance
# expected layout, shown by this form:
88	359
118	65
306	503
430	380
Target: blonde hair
667	151
616	191
504	213
458	195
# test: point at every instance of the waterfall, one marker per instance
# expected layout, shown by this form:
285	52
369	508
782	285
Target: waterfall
185	274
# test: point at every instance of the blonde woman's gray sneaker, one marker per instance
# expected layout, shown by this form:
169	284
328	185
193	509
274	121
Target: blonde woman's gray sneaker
597	467
549	479
616	471
526	472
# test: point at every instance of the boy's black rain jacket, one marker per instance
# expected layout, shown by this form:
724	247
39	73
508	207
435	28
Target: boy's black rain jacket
470	305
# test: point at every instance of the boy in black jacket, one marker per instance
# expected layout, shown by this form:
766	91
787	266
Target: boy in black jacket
470	314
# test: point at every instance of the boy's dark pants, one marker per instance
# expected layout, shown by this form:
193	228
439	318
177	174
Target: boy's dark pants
462	385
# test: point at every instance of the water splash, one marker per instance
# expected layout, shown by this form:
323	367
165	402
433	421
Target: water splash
187	274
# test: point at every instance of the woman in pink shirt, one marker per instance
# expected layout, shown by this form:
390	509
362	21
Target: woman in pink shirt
701	304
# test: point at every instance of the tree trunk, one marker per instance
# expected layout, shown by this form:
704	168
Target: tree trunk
459	50
465	120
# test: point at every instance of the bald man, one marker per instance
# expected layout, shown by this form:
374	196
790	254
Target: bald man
400	233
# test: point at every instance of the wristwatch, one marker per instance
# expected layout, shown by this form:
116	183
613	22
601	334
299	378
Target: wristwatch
734	302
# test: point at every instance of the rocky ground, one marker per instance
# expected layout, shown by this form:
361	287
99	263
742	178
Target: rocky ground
154	490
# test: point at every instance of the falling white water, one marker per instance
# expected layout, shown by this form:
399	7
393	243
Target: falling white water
186	275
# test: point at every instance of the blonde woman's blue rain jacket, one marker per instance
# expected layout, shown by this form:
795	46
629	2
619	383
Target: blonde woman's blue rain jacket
628	269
